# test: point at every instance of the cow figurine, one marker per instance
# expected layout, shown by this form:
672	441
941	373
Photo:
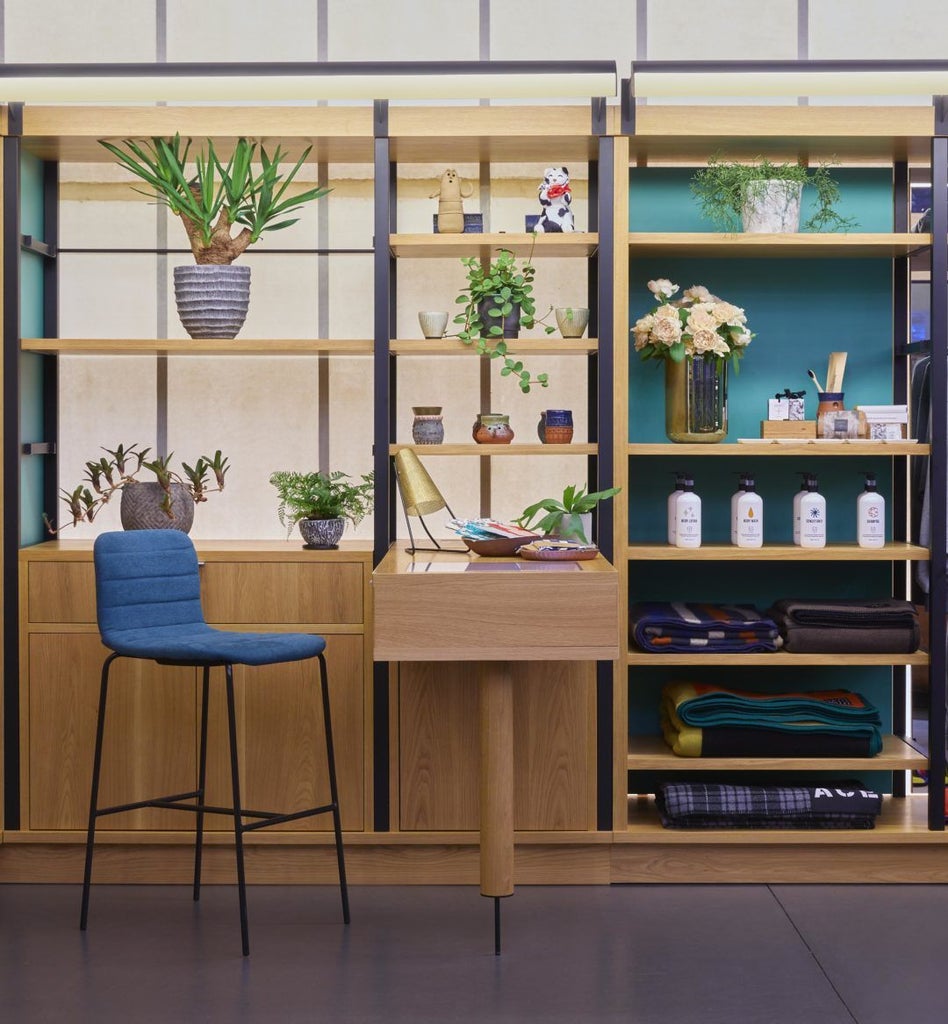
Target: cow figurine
555	198
450	192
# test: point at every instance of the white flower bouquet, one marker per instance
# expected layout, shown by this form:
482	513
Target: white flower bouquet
697	324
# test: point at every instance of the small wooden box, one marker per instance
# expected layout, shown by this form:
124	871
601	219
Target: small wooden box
802	429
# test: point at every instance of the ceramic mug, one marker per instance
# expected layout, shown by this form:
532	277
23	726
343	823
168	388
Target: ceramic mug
433	325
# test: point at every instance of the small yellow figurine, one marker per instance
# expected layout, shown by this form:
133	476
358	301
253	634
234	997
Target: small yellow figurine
450	209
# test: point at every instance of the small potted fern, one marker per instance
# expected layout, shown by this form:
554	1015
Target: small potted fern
765	197
320	504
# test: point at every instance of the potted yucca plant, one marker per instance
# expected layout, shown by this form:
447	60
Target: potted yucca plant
249	193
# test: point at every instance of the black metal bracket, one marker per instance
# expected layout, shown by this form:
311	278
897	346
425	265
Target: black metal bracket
15	119
28	243
39	448
380	119
940	103
598	110
627	102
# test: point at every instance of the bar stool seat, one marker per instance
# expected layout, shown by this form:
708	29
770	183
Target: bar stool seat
148	606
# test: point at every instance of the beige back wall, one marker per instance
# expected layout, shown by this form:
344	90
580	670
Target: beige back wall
315	413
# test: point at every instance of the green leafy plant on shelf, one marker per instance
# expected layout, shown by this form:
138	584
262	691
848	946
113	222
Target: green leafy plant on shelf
332	495
494	290
562	516
722	189
113	472
216	197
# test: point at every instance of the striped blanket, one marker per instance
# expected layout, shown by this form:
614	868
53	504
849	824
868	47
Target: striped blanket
701	720
681	627
828	805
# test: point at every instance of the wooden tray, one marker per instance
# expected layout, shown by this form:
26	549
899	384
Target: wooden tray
557	554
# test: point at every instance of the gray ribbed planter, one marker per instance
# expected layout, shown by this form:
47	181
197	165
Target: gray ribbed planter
140	508
212	300
322	533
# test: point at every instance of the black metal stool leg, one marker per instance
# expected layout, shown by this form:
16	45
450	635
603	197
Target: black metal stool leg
238	816
202	778
94	798
333	789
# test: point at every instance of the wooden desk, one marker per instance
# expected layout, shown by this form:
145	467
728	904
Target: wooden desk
448	606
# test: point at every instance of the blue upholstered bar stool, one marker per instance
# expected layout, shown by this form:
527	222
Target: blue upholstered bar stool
148	603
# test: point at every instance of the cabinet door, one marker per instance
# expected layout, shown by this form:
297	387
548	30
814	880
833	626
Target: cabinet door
439	747
149	744
280	737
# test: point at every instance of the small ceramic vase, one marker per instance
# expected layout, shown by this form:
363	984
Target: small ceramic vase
555	426
433	325
492	428
427	426
571	321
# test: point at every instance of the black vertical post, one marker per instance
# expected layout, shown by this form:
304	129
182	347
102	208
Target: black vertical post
51	330
605	283
11	465
901	706
383	275
938	469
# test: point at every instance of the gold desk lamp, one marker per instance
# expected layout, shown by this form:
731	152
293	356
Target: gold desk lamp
419	495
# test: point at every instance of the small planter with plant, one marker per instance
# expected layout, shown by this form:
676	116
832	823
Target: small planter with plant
498	301
320	504
569	517
212	199
765	197
167	502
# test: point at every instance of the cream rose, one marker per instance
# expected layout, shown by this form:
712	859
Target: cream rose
663	287
666	331
700	319
698	293
706	341
741	338
667	313
725	313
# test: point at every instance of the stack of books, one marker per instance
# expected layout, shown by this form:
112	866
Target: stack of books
885	422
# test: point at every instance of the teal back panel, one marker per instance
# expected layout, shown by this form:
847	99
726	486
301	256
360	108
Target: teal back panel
31	372
800	310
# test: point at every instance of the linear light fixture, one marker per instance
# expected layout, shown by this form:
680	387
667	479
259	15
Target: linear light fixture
299	81
658	79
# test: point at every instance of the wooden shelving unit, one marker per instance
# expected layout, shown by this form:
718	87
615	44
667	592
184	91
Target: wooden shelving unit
575	244
198	347
894	551
802	246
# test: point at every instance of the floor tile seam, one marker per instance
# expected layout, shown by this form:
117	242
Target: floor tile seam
813	953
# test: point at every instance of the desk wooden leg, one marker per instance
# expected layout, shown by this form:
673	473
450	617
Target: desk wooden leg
497	788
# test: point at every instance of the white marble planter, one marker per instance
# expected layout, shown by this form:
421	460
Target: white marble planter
772	207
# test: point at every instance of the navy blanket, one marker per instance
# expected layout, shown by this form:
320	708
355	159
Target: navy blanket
695	627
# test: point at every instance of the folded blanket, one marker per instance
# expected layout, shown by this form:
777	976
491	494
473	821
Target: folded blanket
701	720
714	805
677	626
841	626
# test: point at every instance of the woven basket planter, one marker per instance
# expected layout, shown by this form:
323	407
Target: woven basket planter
212	300
140	508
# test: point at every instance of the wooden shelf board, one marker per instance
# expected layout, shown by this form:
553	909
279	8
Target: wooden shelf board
651	753
488	450
485	246
636	659
862	449
896	551
903	820
197	347
804	244
515	346
71	132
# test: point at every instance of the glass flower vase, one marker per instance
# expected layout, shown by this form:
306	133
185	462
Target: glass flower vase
696	400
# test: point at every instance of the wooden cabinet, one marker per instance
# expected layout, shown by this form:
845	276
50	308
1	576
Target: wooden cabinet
154	711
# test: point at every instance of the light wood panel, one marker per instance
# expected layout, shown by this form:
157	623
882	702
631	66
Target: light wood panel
440	760
651	753
576	243
776	449
198	346
639	658
70	133
486	451
894	551
281	592
280	738
804	245
149	748
61	592
550	346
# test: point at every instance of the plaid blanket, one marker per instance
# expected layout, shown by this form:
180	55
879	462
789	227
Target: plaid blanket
831	805
677	626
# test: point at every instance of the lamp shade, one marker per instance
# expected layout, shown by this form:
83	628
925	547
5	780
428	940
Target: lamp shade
419	493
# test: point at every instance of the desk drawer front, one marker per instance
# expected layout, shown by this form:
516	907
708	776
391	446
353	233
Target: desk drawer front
61	592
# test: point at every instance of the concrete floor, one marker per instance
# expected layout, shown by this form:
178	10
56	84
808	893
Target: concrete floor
688	954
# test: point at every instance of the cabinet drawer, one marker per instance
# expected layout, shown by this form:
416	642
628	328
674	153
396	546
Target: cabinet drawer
61	592
278	592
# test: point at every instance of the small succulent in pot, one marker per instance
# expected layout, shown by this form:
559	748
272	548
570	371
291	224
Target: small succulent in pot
119	468
315	499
